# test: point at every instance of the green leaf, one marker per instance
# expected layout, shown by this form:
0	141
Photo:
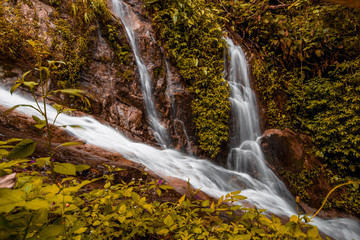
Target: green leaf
53	63
76	188
13	88
42	161
11	198
107	185
69	144
19	105
235	193
80	230
122	209
36	119
51	231
148	207
31	84
313	232
37	203
65	168
24	76
294	218
165	187
83	167
181	199
168	221
163	232
11	163
23	149
158	191
40	217
40	125
14	140
122	219
45	69
68	110
6	146
70	91
205	203
58	107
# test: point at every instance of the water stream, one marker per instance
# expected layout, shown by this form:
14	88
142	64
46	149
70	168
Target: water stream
246	169
246	155
122	10
210	178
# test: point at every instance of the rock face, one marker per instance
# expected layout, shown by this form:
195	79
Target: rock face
283	149
114	86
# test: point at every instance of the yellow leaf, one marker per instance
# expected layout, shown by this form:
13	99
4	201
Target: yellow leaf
294	218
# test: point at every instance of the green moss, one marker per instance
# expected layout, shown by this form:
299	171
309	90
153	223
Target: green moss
158	72
73	48
15	30
128	75
191	33
122	52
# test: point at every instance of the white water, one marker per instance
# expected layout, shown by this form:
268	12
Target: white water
160	132
212	179
246	155
248	171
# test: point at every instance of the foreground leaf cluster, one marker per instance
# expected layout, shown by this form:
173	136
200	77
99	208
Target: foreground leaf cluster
36	208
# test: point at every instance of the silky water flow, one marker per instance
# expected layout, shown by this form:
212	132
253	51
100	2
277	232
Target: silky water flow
246	169
160	132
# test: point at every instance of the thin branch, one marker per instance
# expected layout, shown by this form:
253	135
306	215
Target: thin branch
273	7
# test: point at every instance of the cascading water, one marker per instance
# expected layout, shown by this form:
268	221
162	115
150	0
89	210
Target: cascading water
160	132
256	181
210	178
246	155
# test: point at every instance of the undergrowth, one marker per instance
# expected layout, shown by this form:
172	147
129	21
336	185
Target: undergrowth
37	208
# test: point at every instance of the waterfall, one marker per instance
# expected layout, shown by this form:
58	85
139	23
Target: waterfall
246	169
202	174
246	155
160	132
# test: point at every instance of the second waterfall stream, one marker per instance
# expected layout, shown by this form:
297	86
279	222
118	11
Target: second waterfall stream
246	169
159	131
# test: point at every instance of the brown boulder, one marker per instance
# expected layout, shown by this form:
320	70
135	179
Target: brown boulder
283	149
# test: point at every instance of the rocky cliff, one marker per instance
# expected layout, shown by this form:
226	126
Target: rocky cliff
99	61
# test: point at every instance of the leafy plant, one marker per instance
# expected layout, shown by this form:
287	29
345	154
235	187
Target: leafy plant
40	78
36	208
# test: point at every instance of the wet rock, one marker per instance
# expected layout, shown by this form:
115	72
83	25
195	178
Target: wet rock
114	88
283	149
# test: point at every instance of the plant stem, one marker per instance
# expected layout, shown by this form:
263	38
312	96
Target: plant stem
27	227
332	190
